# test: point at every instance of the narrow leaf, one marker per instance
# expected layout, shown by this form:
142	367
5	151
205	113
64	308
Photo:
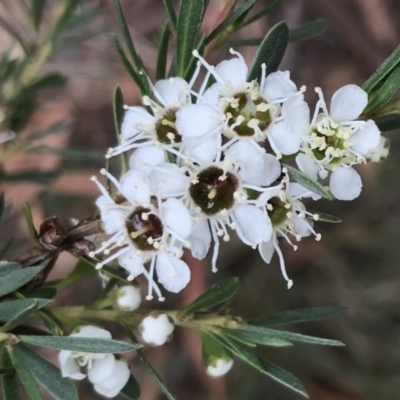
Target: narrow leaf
260	336
82	270
51	80
54	325
383	71
25	375
9	383
19	317
389	122
29	221
271	51
216	294
171	13
46	374
118	108
17	278
308	183
163	52
10	309
38	7
271	7
308	31
131	390
297	337
6	267
189	20
233	20
2	205
300	315
193	62
89	345
383	94
324	217
35	176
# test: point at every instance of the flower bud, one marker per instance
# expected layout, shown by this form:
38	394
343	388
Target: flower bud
216	359
128	298
156	330
219	367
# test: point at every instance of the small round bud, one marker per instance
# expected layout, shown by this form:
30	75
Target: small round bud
128	298
219	367
156	330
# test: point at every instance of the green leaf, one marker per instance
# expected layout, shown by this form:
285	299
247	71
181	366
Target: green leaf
2	205
4	250
324	217
17	278
131	390
118	108
297	337
35	176
271	7
51	321
45	373
171	13
163	52
389	122
259	335
25	375
216	294
270	52
300	315
38	7
51	80
82	270
6	267
115	273
193	62
232	21
283	377
89	345
127	36
308	31
9	382
29	220
64	19
383	71
150	368
382	95
189	20
10	309
18	318
308	183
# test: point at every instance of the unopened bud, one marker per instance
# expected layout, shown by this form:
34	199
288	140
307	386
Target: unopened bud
128	298
156	330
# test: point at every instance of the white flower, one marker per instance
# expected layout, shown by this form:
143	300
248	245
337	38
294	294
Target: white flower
140	128
156	330
236	109
219	367
144	233
107	374
334	141
128	298
288	216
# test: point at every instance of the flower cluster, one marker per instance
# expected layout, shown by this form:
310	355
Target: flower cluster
206	163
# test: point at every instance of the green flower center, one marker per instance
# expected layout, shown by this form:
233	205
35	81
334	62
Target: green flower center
166	130
213	190
277	211
248	114
144	229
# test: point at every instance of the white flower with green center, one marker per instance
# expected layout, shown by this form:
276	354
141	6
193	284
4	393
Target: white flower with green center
108	374
219	196
335	141
140	128
142	233
235	110
288	216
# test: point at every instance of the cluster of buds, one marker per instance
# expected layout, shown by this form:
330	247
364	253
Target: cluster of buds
205	164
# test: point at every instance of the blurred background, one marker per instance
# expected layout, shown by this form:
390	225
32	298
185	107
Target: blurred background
357	263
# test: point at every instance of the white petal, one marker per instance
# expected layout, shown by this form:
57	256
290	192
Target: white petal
211	95
135	187
246	156
278	85
220	367
266	250
284	139
366	138
173	274
173	91
69	367
91	331
300	192
307	165
156	330
345	184
234	72
134	118
301	226
203	150
197	120
116	381
168	180
144	158
268	194
101	369
200	239
132	262
267	174
177	217
296	114
253	226
348	103
113	219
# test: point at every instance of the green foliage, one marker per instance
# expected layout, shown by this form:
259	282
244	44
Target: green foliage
9	382
29	221
324	217
270	52
388	122
171	13
216	294
308	183
271	7
308	31
163	52
131	390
